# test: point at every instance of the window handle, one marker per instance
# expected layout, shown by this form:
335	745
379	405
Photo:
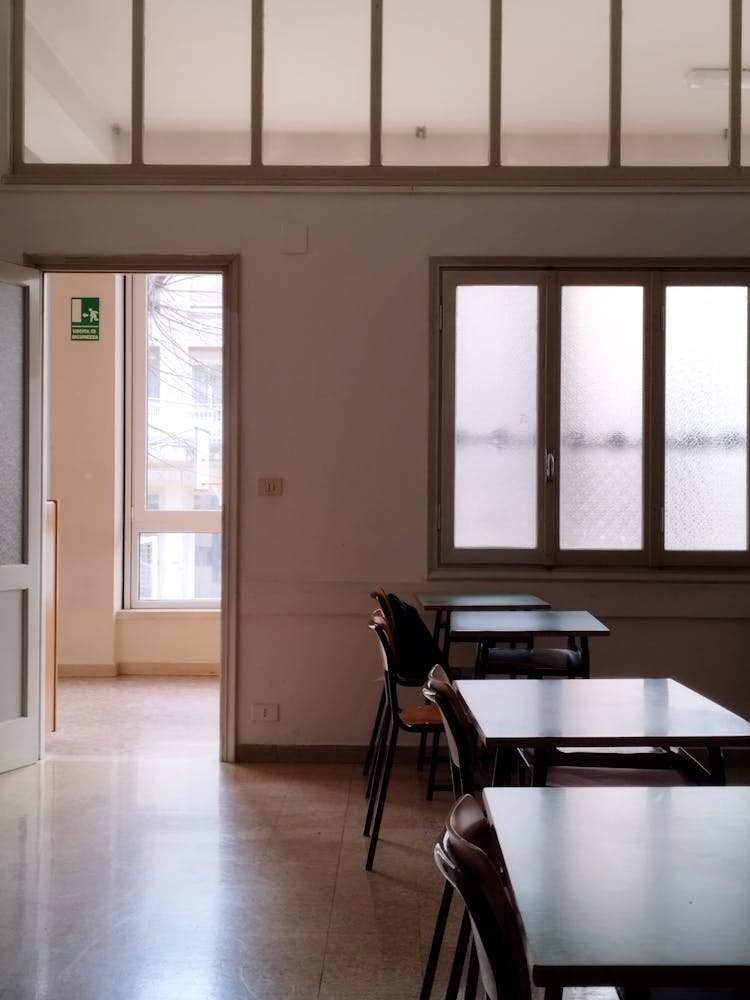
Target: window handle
549	466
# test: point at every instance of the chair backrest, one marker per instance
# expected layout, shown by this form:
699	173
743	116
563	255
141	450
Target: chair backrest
460	733
384	634
415	650
379	594
467	856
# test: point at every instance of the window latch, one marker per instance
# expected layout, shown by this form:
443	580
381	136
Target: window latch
549	467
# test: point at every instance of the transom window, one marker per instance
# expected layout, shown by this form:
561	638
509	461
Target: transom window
592	416
389	90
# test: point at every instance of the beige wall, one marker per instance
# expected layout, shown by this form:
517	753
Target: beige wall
334	391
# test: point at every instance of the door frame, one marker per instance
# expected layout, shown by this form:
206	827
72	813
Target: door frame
23	734
228	265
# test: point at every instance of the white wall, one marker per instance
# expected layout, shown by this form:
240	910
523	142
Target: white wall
334	398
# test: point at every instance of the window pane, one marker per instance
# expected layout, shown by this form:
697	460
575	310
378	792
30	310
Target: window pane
421	38
601	418
184	378
77	73
705	502
13	423
496	417
316	82
555	82
672	114
179	566
197	82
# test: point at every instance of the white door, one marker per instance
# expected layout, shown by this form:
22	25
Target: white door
20	515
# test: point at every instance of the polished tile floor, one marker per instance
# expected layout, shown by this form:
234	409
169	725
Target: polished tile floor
149	871
135	866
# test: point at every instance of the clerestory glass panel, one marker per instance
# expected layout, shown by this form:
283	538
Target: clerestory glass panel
77	83
316	82
197	93
601	417
431	115
555	82
495	442
705	447
675	96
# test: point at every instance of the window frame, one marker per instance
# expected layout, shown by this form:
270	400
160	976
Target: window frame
611	174
655	276
139	518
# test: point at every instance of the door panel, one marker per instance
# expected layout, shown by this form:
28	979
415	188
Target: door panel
20	515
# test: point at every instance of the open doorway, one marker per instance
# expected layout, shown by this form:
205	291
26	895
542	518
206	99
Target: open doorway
137	419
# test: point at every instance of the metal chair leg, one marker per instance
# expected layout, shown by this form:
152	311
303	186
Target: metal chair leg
376	775
382	791
374	735
437	940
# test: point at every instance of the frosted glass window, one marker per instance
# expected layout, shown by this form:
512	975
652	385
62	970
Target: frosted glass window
601	418
430	116
12	421
555	82
316	82
12	629
495	447
77	89
197	82
705	474
672	113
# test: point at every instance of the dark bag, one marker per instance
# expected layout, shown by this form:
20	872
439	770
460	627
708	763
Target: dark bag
416	650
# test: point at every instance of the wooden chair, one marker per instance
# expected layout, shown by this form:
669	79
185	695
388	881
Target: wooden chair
468	857
419	719
416	652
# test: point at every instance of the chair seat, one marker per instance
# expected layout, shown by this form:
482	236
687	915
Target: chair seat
421	715
532	661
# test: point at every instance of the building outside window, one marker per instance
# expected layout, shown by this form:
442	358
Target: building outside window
176	448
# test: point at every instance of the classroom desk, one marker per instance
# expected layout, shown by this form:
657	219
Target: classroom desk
599	712
488	627
443	605
629	887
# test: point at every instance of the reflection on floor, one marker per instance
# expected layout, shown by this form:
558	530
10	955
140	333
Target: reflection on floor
135	716
135	866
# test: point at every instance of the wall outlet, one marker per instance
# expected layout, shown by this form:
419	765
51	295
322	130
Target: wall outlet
264	712
270	487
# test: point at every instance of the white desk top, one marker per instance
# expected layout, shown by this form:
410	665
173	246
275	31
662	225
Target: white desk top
486	624
598	712
629	886
453	601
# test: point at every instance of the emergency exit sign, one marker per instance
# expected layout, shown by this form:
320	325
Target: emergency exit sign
84	319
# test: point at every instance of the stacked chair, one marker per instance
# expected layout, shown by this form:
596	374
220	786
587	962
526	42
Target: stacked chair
468	858
407	652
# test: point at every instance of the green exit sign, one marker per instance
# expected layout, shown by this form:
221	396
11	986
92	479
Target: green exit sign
84	319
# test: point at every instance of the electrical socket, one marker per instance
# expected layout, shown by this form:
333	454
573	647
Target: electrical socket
270	487
264	712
